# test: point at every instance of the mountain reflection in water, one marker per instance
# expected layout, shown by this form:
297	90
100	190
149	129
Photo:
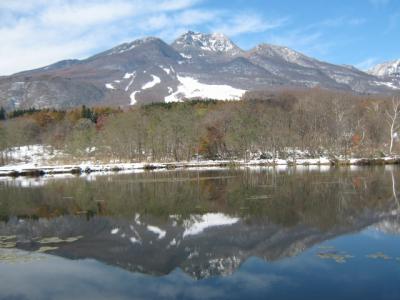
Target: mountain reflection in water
222	227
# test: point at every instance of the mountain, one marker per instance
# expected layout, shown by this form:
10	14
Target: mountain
205	45
202	246
389	72
300	70
386	69
195	65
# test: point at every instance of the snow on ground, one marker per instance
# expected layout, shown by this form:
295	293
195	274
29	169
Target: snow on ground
134	240
198	223
161	233
166	70
186	55
44	159
129	75
192	88
123	49
156	80
389	68
130	82
133	97
388	84
109	86
90	170
137	219
33	154
216	42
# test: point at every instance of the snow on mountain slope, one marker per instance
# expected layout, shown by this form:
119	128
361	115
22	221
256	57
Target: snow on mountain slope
388	84
386	69
156	230
150	84
109	86
191	88
145	71
129	76
198	223
216	43
133	98
284	53
129	46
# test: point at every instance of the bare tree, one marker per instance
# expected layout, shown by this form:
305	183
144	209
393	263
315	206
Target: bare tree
392	120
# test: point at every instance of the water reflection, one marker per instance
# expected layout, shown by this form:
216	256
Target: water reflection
258	229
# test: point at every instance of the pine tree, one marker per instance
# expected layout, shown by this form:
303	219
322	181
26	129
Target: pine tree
84	112
2	113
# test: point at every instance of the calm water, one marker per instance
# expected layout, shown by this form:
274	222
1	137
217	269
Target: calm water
211	234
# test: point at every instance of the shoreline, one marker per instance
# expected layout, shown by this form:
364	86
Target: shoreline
35	170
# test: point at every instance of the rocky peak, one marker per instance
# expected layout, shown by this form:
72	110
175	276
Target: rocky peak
387	69
200	42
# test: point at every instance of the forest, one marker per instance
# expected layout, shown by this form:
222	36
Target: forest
312	122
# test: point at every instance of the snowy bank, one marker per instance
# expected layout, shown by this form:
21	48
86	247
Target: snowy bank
33	169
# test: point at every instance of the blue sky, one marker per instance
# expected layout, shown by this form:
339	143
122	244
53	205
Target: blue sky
39	32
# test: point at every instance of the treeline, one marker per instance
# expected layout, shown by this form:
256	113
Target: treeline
324	206
263	125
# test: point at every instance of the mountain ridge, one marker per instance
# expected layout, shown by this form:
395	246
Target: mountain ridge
195	65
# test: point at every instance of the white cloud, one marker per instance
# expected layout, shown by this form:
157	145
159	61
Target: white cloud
196	16
22	6
86	14
174	5
185	19
51	31
35	33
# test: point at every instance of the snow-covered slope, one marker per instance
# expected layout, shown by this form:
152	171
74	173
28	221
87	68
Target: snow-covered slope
192	88
201	245
32	154
197	224
386	69
388	73
284	53
216	43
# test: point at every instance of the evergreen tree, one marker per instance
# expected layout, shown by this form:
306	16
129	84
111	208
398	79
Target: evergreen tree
84	112
2	113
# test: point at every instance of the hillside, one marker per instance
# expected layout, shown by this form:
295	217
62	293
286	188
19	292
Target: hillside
195	65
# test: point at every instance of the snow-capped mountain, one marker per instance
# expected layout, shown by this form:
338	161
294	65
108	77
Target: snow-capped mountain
389	73
211	244
195	65
387	69
204	45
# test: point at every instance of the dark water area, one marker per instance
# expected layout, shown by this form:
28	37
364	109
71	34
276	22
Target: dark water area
259	233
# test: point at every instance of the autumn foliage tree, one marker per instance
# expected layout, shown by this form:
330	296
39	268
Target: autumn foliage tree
277	124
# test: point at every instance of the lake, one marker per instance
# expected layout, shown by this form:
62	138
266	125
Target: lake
251	233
